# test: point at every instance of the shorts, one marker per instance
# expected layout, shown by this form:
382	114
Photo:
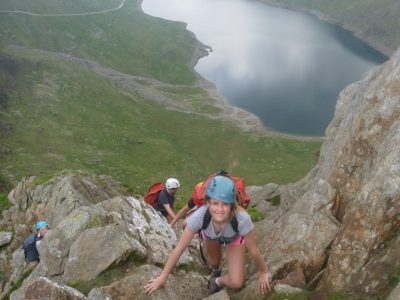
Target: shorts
239	241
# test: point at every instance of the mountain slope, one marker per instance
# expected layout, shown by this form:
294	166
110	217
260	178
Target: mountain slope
81	94
376	22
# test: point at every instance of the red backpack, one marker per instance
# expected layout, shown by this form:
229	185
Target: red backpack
152	194
195	195
241	196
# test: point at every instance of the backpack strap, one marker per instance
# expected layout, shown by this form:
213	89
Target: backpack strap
206	220
235	224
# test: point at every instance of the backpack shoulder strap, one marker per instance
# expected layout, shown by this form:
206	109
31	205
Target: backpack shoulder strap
206	219
235	224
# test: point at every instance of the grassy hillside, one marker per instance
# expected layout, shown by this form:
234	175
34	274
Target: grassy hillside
57	6
59	114
125	40
375	21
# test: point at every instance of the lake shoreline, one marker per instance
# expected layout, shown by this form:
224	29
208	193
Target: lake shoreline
328	19
246	120
249	121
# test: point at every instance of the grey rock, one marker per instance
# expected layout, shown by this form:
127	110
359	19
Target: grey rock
5	238
221	295
42	288
185	286
286	289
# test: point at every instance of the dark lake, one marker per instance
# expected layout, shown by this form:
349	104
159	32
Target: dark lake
284	66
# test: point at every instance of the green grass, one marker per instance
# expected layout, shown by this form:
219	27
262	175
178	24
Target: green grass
194	98
393	282
65	117
126	40
304	295
275	201
88	121
58	6
5	184
255	214
4	202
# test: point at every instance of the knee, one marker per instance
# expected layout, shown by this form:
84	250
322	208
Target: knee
236	283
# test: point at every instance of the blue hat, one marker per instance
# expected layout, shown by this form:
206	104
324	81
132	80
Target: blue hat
41	224
222	188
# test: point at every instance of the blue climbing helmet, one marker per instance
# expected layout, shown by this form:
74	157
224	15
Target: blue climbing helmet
41	224
222	188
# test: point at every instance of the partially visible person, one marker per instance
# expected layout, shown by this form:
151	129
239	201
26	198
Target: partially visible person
30	243
193	204
166	198
221	209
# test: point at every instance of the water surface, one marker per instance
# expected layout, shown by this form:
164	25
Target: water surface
286	67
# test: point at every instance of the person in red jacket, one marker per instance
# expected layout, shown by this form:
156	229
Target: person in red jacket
166	198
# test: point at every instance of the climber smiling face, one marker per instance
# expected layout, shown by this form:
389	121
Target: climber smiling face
221	192
220	211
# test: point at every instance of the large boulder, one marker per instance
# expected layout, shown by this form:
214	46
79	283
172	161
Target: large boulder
55	198
51	199
93	230
42	288
180	285
262	197
93	239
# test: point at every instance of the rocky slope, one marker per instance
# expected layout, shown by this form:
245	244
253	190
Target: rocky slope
338	228
96	232
335	230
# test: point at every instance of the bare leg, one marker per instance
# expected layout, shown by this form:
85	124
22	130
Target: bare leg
213	252
236	259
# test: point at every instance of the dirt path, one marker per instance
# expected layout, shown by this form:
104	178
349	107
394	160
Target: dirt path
65	15
152	90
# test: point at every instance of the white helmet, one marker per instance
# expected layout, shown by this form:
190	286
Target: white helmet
172	183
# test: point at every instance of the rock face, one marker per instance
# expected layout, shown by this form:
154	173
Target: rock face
190	285
89	235
361	161
43	288
344	217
